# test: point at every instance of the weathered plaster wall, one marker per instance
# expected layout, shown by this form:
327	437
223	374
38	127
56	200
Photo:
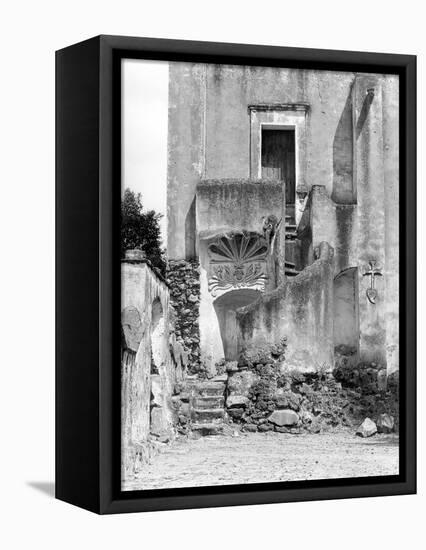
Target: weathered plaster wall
351	166
223	206
301	310
186	151
367	230
390	101
145	398
235	205
209	127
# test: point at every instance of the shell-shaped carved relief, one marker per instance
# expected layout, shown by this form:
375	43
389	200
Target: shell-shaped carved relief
237	260
238	248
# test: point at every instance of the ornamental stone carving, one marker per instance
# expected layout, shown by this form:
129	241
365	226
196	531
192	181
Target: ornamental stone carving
238	260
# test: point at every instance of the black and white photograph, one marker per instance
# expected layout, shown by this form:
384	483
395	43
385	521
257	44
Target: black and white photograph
260	258
212	275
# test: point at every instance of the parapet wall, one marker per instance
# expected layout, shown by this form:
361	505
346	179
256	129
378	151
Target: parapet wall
236	205
300	310
152	362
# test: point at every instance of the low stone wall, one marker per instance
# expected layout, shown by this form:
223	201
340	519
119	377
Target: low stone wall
152	363
184	282
264	395
303	307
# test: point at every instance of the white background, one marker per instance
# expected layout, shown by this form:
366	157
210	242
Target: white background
30	33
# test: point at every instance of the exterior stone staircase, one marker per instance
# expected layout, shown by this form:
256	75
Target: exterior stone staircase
290	229
207	409
290	269
291	245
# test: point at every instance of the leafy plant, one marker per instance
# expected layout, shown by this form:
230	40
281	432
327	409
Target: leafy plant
141	229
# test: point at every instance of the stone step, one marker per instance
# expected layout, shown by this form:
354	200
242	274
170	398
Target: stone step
290	227
291	236
207	415
208	389
291	272
290	264
207	429
209	402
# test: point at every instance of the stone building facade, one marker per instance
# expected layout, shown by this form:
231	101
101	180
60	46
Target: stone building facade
283	187
279	310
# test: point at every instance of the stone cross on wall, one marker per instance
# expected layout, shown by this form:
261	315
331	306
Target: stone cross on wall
372	272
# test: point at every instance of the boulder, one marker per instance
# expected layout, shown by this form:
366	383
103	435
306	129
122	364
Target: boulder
250	428
385	423
288	400
284	417
306	417
266	427
236	401
367	428
282	429
236	413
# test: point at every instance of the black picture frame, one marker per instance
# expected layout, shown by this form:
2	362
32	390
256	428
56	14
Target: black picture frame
88	152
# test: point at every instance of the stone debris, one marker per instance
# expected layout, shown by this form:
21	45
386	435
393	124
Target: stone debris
367	428
385	423
284	418
237	401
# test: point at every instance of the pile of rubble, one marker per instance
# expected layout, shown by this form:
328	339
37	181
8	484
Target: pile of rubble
263	396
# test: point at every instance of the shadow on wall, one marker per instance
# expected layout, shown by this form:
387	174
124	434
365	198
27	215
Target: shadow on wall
343	188
190	229
346	323
157	336
368	100
226	307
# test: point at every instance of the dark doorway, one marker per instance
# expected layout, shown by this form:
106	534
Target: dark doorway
278	162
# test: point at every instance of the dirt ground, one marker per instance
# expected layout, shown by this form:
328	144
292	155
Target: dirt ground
267	457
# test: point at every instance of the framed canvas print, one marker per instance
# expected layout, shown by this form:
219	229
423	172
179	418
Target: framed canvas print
235	274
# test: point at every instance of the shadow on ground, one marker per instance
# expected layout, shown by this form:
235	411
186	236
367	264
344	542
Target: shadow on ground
46	487
390	440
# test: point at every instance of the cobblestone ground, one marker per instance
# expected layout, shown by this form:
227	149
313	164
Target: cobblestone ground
254	458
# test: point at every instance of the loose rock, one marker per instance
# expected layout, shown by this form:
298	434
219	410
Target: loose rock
367	428
385	423
284	418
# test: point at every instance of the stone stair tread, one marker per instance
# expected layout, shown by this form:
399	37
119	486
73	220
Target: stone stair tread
290	264
208	429
220	378
208	402
217	389
220	409
210	384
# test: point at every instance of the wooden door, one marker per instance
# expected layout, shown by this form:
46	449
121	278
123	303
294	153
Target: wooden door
278	162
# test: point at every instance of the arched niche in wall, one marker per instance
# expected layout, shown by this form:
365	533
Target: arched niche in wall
226	306
346	315
157	336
